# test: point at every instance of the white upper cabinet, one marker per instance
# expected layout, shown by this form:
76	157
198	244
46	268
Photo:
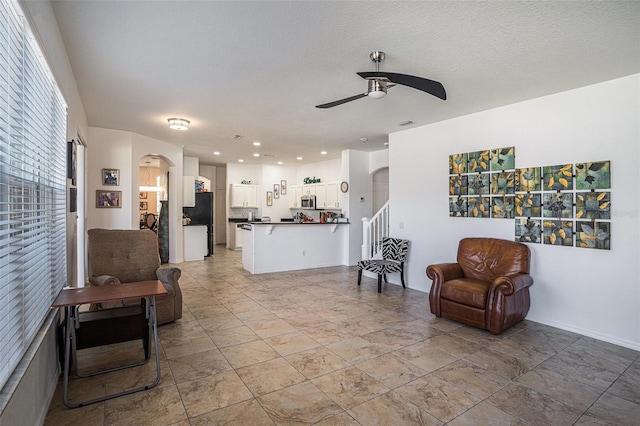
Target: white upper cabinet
294	194
244	196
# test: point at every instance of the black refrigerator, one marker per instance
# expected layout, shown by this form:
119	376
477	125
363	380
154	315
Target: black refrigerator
202	214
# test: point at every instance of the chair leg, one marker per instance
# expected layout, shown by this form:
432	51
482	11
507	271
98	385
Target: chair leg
402	276
385	278
379	283
359	276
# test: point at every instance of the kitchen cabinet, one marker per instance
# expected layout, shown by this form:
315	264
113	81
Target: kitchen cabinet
333	196
295	194
238	239
321	195
328	196
188	191
244	196
309	189
195	242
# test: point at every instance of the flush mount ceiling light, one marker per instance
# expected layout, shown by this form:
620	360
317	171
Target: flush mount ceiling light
216	152
256	143
178	124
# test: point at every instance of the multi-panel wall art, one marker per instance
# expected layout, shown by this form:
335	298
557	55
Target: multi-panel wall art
561	205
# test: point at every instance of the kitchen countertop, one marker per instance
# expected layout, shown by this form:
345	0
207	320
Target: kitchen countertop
238	219
298	223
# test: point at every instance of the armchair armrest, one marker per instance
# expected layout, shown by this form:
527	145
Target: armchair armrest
169	276
511	284
444	272
440	273
103	280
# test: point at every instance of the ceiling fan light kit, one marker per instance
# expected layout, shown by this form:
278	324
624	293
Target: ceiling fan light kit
377	89
378	83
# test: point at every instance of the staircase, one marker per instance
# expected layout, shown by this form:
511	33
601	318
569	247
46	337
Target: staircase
373	231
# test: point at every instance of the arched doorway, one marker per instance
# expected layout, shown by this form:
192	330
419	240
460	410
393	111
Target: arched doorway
153	193
380	188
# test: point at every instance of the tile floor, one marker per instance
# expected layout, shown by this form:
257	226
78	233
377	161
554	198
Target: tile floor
310	347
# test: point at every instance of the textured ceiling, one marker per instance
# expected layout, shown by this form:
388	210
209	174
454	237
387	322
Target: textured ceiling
257	69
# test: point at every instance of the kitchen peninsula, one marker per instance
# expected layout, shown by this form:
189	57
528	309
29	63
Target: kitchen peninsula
288	246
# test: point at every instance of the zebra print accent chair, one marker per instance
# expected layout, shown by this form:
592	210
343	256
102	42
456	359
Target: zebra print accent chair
394	254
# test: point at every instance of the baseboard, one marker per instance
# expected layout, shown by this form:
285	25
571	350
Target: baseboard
589	333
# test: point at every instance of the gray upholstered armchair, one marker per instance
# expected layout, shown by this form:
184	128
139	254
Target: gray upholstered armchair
126	255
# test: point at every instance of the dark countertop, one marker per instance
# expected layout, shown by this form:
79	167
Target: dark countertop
298	223
238	219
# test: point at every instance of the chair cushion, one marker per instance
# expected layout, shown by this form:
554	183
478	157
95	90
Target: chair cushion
486	259
395	249
466	291
380	266
131	255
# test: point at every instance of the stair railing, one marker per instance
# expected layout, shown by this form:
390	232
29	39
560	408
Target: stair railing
373	232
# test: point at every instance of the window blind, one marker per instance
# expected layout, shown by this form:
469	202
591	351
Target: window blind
32	188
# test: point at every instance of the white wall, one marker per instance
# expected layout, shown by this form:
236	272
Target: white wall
109	149
593	292
326	171
272	175
378	160
123	150
358	200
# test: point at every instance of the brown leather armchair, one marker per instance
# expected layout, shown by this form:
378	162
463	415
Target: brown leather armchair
488	286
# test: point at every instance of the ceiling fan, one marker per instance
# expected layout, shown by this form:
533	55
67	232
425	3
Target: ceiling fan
378	83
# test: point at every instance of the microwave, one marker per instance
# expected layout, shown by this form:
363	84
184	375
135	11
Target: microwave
308	202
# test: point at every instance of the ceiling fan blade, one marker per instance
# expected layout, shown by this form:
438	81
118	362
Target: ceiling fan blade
429	86
342	101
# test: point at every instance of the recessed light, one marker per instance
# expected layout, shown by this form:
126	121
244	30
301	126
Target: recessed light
216	152
298	158
323	152
405	123
386	144
255	154
363	140
240	160
256	143
279	162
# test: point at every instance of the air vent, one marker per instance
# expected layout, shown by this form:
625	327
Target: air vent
236	137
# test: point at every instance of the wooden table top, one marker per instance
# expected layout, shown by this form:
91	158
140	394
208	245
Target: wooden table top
108	293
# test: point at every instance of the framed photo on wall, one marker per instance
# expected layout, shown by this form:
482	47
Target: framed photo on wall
276	191
111	177
143	195
108	199
144	205
283	187
269	198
